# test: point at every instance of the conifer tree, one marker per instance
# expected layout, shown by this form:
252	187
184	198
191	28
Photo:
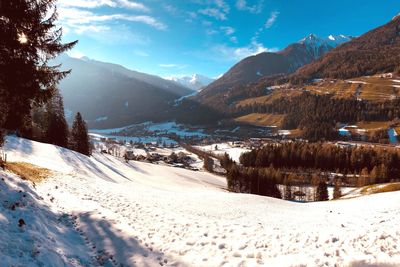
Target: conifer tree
29	38
322	191
57	129
288	194
79	136
337	190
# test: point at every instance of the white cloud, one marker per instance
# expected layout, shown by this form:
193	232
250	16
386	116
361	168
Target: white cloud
171	9
99	3
132	5
80	29
233	39
146	20
86	3
227	30
256	9
214	13
178	66
228	53
218	9
271	20
223	5
76	18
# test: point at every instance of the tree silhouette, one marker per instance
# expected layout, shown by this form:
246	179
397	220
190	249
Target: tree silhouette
79	136
28	40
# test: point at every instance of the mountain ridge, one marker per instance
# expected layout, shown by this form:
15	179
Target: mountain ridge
126	96
288	60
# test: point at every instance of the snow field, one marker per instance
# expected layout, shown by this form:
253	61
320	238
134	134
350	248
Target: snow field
140	214
222	148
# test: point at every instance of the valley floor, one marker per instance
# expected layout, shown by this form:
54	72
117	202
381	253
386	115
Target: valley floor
103	211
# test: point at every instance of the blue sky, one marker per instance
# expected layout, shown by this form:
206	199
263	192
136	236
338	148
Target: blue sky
182	37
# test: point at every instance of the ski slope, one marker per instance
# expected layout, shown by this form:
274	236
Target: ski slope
138	214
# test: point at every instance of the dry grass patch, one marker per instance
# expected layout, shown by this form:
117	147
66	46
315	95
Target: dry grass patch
268	99
340	89
380	188
372	189
28	171
261	119
296	133
373	125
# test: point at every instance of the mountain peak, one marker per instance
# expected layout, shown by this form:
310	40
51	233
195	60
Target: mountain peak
396	17
331	40
195	81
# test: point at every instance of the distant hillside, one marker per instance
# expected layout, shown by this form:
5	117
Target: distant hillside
376	51
251	69
109	95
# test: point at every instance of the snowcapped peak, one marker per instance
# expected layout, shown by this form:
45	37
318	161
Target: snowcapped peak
396	17
331	40
319	45
194	82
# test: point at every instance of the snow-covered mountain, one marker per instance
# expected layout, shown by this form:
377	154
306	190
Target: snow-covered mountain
195	82
288	60
318	46
376	51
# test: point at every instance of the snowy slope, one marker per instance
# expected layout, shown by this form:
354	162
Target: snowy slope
139	214
222	148
47	238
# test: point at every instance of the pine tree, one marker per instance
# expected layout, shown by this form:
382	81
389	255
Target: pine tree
232	177
363	178
28	40
314	183
57	129
208	163
322	191
337	190
288	194
79	136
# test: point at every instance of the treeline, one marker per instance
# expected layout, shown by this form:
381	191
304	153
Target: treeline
30	103
292	170
377	164
48	125
317	115
252	180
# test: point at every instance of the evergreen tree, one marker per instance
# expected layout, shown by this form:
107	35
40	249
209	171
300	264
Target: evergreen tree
57	129
226	161
208	163
28	40
288	194
363	179
79	136
322	191
233	175
337	191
